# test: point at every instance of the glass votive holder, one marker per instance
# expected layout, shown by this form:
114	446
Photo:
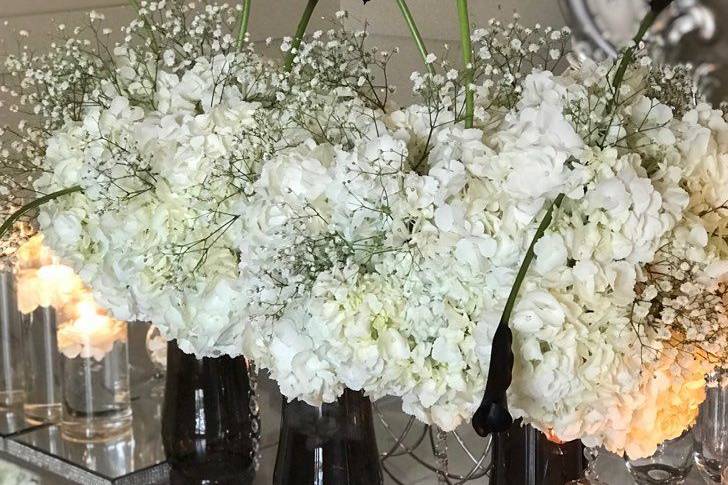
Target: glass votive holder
11	368
42	367
670	465
95	366
711	431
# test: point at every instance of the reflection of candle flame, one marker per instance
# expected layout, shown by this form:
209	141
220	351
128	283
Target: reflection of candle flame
89	332
42	281
33	254
553	438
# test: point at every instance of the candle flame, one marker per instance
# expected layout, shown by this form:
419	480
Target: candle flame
90	320
85	329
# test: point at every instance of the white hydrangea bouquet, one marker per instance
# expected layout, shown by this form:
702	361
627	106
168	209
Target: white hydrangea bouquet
578	203
144	153
533	233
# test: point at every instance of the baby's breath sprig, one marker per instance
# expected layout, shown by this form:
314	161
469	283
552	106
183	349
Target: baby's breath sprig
678	301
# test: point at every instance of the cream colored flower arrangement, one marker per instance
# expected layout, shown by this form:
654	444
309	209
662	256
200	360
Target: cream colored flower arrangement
530	237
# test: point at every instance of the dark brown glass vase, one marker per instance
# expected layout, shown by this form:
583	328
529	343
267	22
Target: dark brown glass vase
207	424
333	444
525	456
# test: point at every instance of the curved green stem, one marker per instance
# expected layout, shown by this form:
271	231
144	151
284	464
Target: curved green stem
627	59
467	61
492	414
628	56
300	31
244	20
528	258
34	205
416	36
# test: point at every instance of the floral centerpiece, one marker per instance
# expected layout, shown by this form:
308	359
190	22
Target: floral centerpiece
551	227
389	265
141	168
156	154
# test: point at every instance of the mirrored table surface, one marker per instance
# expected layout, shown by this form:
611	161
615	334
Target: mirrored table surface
135	458
139	458
12	422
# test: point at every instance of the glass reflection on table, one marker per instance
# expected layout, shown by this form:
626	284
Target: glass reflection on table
137	457
12	421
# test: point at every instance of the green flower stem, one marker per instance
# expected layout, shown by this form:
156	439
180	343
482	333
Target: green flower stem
528	258
302	26
467	61
416	36
628	56
34	205
627	59
244	20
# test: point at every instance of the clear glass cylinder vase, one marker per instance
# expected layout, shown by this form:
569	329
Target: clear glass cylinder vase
333	444
670	464
95	368
11	368
711	430
42	364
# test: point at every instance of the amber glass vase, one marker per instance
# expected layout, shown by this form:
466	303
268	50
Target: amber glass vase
207	423
333	444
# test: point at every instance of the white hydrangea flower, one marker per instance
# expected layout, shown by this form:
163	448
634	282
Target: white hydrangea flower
417	231
153	233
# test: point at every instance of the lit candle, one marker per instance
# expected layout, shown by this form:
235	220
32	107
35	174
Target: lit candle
42	281
90	333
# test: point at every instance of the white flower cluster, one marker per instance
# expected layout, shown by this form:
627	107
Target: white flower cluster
385	268
296	217
164	154
153	232
385	265
663	406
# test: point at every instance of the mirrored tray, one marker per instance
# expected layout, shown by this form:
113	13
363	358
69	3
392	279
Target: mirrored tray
136	458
